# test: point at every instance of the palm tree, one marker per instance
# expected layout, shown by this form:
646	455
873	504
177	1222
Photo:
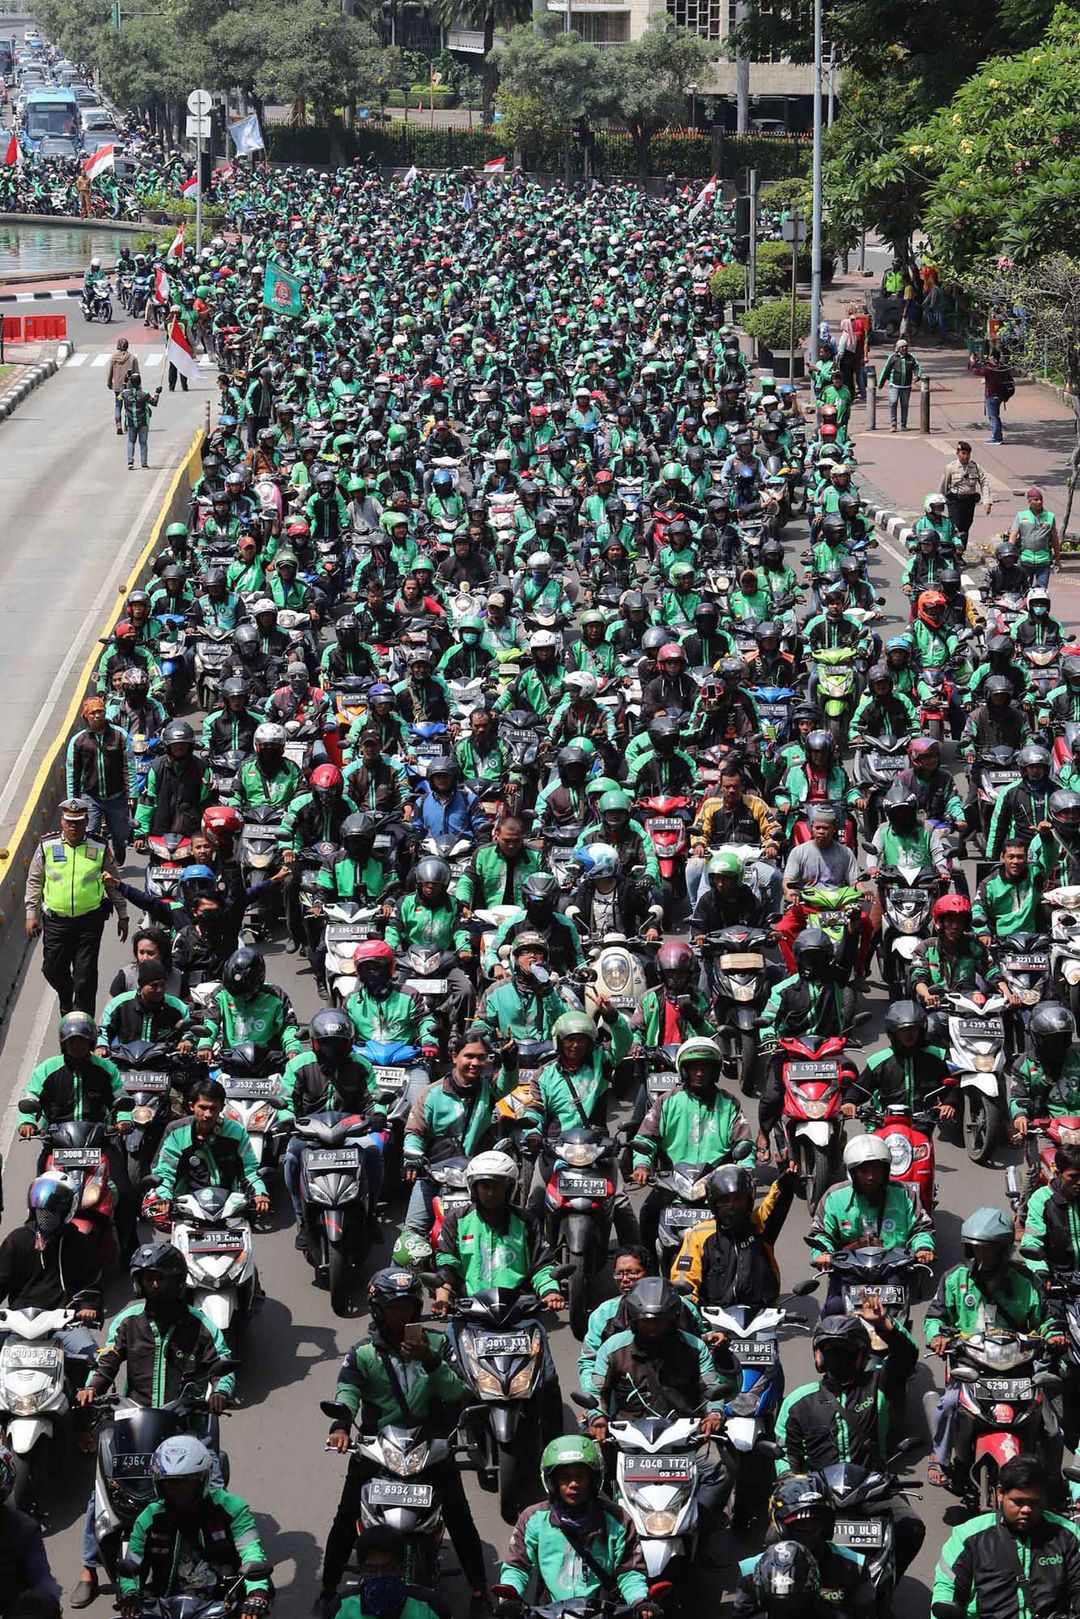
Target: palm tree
492	15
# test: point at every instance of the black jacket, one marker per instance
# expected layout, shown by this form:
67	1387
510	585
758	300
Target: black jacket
315	1088
178	803
820	1424
984	1561
191	1353
48	1279
89	752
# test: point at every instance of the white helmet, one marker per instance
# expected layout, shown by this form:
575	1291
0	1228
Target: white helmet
95	263
270	736
866	1150
492	1166
181	1457
538	560
264	605
544	641
931	501
581	681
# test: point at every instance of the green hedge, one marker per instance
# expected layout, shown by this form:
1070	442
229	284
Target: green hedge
420	98
770	323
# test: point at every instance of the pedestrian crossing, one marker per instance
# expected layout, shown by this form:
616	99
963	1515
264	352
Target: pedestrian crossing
146	361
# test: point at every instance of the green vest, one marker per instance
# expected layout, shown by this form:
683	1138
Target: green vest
73	885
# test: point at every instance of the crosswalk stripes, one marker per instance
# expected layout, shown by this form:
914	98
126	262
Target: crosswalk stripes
101	358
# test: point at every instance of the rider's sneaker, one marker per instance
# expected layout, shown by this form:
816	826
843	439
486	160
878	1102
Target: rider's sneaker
301	1239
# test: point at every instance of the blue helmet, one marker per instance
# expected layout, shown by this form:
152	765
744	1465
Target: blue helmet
442	480
598	860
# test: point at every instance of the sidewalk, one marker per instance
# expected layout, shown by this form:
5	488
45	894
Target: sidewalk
905	467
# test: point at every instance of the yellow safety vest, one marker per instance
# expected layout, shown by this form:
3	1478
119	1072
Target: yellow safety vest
73	885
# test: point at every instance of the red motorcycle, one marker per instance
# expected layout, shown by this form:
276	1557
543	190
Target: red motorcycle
810	1133
169	853
1041	1142
911	1148
667	826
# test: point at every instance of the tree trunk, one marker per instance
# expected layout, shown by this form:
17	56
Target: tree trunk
641	135
488	107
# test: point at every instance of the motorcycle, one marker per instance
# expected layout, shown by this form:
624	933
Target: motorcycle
404	1494
837	688
1024	959
211	1230
907	898
225	769
77	1151
260	857
976	1055
213	648
739	985
96	304
657	1480
1043	665
1064	906
36	1391
579	1201
348	925
147	1074
878	761
1041	1142
864	1522
667	826
169	853
335	1200
890	1274
993	772
399	1074
1002	1389
810	1132
252	1078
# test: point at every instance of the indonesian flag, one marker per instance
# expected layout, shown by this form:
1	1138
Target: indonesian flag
178	352
11	156
161	286
226	172
189	187
98	162
706	194
176	248
497	165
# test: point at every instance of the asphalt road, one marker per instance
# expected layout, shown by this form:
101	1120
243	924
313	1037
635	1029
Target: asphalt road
74	520
275	1438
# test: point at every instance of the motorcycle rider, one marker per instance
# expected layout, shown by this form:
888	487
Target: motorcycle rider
952	958
1024	808
178	787
445	808
909	1070
47	1263
453	1115
246	1007
577	1542
398	1376
987	1290
784	1582
232	727
801	1510
868	1207
882	710
844	1415
269	778
610	900
431	918
28	1589
1010	900
539	897
1046	1080
380	1011
733	815
729	1259
205	1149
674	1010
195	1536
813	1000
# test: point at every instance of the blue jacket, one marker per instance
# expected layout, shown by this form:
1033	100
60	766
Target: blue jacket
460	815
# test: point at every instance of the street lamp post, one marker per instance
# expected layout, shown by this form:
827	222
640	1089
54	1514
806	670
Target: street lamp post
815	237
693	89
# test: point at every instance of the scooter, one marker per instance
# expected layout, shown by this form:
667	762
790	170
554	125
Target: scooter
909	1138
810	1132
1002	1388
35	1398
77	1151
348	926
255	1097
888	1273
977	1056
259	856
404	1494
837	688
97	303
739	985
211	1230
169	853
452	1195
579	1201
335	1200
877	764
146	1072
657	1480
1024	959
907	898
861	1499
399	1074
1041	1142
667	826
993	772
1064	906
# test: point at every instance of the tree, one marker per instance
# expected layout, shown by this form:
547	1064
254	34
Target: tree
647	81
315	54
552	70
493	15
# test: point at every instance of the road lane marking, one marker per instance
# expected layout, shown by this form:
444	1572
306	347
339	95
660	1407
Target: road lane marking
76	360
100	359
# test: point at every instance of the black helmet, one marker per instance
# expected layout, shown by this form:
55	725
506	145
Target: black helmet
999	650
635	601
394	1282
1070	669
177	731
1031	757
1052	1028
772	551
814	954
766	631
77	1026
905	1015
1006	554
571	763
347	630
433	870
1064	807
244	972
999	686
331	1035
246	639
163	1260
653	1299
653	639
880	675
664	733
798	1497
234	686
900	805
730	1180
540	891
785	1576
844	1336
356	827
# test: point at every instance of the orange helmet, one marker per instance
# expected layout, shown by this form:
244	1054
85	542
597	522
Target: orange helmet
931	608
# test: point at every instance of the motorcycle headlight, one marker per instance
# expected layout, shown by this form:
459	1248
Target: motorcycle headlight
522	1381
142	1115
815	1110
488	1383
404	1463
659	1523
742	992
908	924
578	1154
984	1064
900	1152
617	972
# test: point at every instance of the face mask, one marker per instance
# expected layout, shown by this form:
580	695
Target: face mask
382	1594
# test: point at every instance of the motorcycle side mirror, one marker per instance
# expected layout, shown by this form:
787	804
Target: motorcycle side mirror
430	1279
963	1374
336	1413
683	1288
861	1018
28	1106
1072	1473
571	910
562	1273
769	1449
581	1400
802	1290
910	1443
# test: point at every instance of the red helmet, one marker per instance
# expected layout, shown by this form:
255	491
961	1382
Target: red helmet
674	956
374	950
828	430
952	905
932	605
604	476
671	653
326	778
124	632
222	821
435	383
298	528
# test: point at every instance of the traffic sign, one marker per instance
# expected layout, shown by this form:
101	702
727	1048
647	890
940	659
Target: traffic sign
793	230
198	129
199	103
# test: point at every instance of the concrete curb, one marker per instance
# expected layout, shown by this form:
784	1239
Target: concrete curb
894	524
32	378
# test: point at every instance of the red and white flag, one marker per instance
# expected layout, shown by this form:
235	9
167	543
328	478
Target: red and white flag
226	172
11	156
706	194
497	165
411	173
100	161
161	286
176	247
178	352
189	187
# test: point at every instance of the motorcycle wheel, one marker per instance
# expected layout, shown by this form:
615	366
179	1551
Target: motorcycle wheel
32	1472
578	1301
748	1064
935	730
1072	999
509	1473
337	1277
819	1170
982	1124
836	725
987	1489
752	1488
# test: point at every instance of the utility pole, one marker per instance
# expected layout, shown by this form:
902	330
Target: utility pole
832	84
751	260
742	78
815	226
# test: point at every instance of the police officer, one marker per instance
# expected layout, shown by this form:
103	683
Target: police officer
66	902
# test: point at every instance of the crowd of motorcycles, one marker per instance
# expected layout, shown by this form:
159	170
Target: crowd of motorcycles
442	575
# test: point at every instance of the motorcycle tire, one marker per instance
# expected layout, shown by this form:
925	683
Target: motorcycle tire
935	730
578	1301
32	1472
982	1126
509	1481
753	1486
748	1065
338	1271
820	1176
837	728
987	1489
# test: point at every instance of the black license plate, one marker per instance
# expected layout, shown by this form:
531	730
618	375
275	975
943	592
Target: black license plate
158	1083
76	1158
333	1158
757	1351
859	1532
981	1028
503	1343
582	1185
801	1072
389	1493
217	1242
888	764
658	1469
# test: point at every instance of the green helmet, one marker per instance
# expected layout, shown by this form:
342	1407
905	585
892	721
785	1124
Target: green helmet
476	625
671	471
600	786
391	519
615	800
988	1225
571	1450
176	531
725	865
357	485
592	617
397	434
412	1252
573	1023
699	1049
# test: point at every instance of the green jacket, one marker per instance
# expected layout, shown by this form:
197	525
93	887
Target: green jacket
413	922
227	1540
505	1013
556	1089
347	879
290	834
1037	1094
533	690
254	786
845	1216
930	965
223	1159
1033	1242
102	1067
483	882
686	1129
538	1544
472	1253
441	1115
696	1019
353	1608
396	1017
1015	1304
1002	908
369	1393
266	1017
144	809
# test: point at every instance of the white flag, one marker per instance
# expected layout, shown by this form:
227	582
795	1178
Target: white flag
411	174
246	135
707	192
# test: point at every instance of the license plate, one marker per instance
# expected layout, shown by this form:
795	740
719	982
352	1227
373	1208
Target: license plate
981	1028
887	1292
1005	1388
391	1077
660	1084
742	961
76	1158
1026	964
772	711
217	1242
859	1532
158	1083
1001	778
665	823
888	764
680	1215
428	750
247	1089
427	986
503	1343
582	1185
757	1351
383	1492
132	1464
800	1072
659	1469
23	1355
164	874
333	1158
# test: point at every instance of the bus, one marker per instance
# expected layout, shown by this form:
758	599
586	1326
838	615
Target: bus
51	110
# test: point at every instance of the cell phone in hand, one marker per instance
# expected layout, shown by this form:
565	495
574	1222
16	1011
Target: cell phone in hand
413	1334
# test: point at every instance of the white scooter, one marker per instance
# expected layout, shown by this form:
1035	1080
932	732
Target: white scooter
657	1477
211	1230
977	1056
1065	944
34	1398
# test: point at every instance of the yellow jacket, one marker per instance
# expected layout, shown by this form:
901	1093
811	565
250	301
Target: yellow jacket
753	808
766	1220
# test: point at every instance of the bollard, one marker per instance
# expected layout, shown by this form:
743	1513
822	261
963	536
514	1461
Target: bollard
924	405
871	398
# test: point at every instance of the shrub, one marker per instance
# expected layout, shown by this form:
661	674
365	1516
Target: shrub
773	269
770	323
728	282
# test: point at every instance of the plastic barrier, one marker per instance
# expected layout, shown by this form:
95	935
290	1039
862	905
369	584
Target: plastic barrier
13	328
44	328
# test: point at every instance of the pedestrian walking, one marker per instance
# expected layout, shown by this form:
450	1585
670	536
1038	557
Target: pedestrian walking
998	389
1035	531
964	484
123	369
66	902
900	370
101	770
138	408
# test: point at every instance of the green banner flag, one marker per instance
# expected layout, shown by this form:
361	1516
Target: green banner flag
281	290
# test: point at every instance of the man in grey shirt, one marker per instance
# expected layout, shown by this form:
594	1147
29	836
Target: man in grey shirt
830	863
